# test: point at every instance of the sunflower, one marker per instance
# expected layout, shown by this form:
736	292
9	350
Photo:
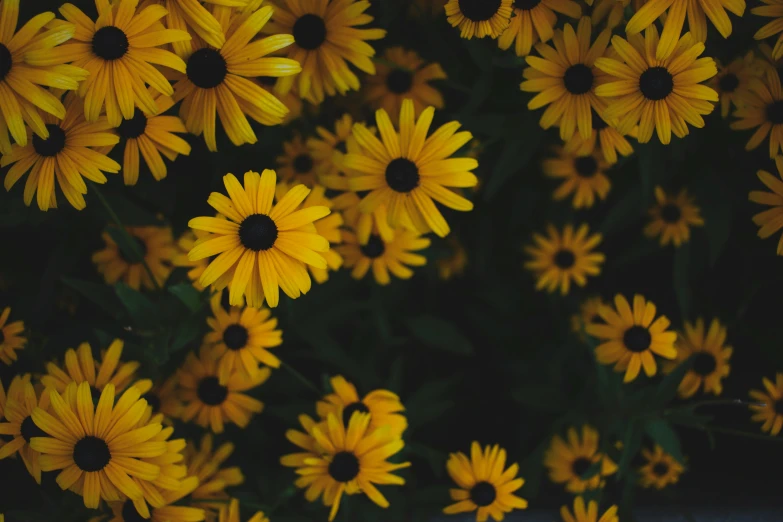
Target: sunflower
604	137
267	245
297	164
453	264
393	256
384	406
97	447
19	407
588	314
763	109
126	511
570	460
155	245
407	170
484	483
23	83
733	81
206	463
773	9
583	173
769	405
710	358
328	151
565	78
479	18
11	337
221	80
770	220
347	459
212	402
402	75
672	218
191	15
327	40
231	513
561	258
631	337
533	21
661	94
64	158
660	470
588	513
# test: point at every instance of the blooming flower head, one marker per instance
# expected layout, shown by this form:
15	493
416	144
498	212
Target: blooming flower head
570	460
660	469
771	220
11	337
672	217
710	358
768	408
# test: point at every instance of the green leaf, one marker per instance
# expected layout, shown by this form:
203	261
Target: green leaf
101	295
681	277
664	435
632	441
435	458
478	94
190	297
184	333
440	334
516	154
624	213
143	311
129	213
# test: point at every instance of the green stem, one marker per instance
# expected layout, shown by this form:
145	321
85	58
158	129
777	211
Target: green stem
720	402
738	433
304	380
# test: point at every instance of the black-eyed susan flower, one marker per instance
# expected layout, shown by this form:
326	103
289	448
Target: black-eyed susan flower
63	159
479	18
562	258
185	244
534	21
290	99
297	164
384	406
710	355
156	247
770	220
191	15
395	256
664	95
672	217
570	460
406	171
609	140
769	406
365	224
210	402
484	484
763	109
733	81
583	173
588	314
206	463
162	397
328	37
660	470
612	11
231	513
328	149
12	337
348	460
588	512
772	9
631	337
454	263
565	78
221	81
126	511
20	427
402	75
267	246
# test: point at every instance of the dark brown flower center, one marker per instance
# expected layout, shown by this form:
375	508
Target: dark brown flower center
206	68
656	83
30	429
303	163
704	363
483	494
671	213
660	469
51	146
6	62
349	410
586	166
526	5
399	81
91	454
479	10
637	338
728	82
580	466
775	112
310	32
211	392
344	467
564	259
375	247
578	79
258	232
402	175
110	43
235	336
134	127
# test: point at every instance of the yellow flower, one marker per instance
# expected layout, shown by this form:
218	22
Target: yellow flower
610	10
588	513
22	400
297	164
185	244
770	220
11	337
769	406
328	152
772	9
126	511
206	463
382	256
733	81
569	460
156	247
710	358
763	109
588	314
191	15
660	470
231	513
672	218
535	20
583	173
604	138
454	264
479	18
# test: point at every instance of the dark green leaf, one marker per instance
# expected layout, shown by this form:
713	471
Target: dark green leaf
632	441
143	311
101	295
184	333
190	297
435	458
129	213
682	279
624	213
440	334
516	153
664	435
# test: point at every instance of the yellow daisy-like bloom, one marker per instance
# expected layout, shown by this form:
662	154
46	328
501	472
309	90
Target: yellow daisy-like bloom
772	9
769	407
161	398
267	246
660	470
672	218
98	448
533	21
369	223
662	94
404	75
455	263
632	337
588	513
569	460
220	81
565	78
231	513
384	406
24	84
733	82
479	18
185	244
770	220
406	170
610	10
64	158
583	173
191	15
297	164
206	463
393	256
241	338
763	109
609	140
588	314
346	459
328	152
560	259
212	402
290	99
11	337
154	244
20	426
327	38
484	483
710	358
126	511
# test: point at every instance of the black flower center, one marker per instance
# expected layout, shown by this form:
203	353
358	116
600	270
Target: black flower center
586	166
52	145
152	400
728	82
637	338
132	258
564	258
134	127
129	513
303	163
598	122
6	62
775	112
211	392
310	32
258	232
671	213
578	79
349	410
580	466
402	175
109	43
374	247
91	454
206	68
235	336
479	10
704	363
779	407
656	83
660	469
399	81
341	146
30	429
526	5
483	494
344	467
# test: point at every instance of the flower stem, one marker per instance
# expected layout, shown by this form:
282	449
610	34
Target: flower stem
301	378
